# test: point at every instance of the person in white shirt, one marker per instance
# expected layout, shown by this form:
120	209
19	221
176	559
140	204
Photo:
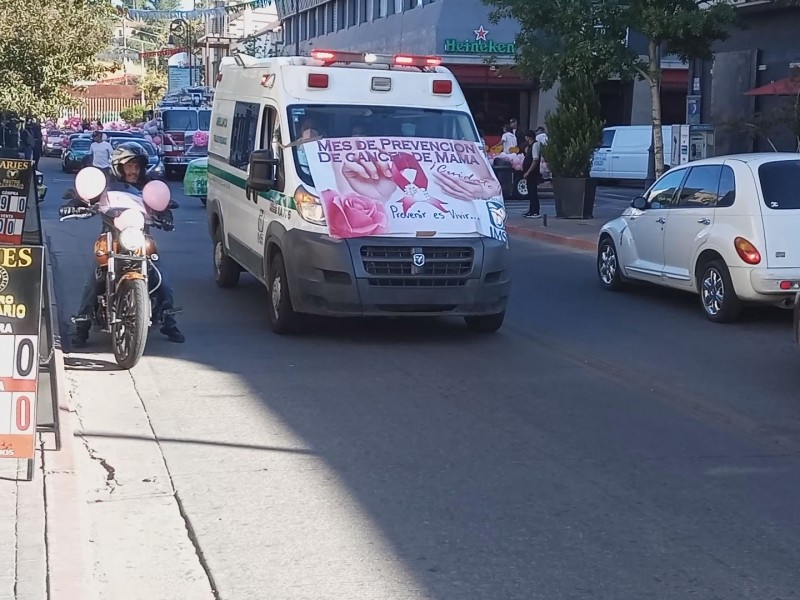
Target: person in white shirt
508	139
541	136
101	151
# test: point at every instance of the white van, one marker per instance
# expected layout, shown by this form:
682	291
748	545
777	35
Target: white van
353	184
625	150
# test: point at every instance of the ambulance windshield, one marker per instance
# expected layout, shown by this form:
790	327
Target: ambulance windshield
341	121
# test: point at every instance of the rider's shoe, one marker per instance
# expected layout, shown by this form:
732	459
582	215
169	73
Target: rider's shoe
173	334
80	338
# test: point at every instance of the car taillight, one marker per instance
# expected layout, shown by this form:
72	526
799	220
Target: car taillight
747	251
790	285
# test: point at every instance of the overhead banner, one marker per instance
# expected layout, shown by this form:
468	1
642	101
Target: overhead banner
21	272
140	14
16	193
405	186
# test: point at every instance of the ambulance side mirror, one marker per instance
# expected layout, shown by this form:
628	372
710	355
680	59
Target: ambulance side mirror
262	171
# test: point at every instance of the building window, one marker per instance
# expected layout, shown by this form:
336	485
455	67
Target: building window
341	23
362	10
330	17
303	26
312	23
352	13
243	134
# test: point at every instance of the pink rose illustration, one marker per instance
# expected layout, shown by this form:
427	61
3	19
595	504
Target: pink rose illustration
353	215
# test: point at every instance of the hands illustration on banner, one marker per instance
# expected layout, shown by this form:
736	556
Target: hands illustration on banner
478	184
371	178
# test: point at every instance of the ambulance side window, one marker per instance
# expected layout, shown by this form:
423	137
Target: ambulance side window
243	134
271	140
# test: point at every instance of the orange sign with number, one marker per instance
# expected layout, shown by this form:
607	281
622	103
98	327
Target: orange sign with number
20	319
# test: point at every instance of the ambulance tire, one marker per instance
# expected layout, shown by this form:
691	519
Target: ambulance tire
282	317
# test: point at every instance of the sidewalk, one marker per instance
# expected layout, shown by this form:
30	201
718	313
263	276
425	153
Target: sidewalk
43	534
580	234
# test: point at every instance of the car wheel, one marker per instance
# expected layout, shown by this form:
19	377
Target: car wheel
226	270
717	295
608	269
282	317
485	323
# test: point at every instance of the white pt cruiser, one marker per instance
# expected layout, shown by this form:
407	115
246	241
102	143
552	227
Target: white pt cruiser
726	228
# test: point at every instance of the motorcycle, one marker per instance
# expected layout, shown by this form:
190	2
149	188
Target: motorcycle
127	275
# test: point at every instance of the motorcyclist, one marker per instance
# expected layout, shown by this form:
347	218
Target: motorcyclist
128	174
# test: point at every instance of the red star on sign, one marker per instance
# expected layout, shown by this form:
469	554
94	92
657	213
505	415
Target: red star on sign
481	33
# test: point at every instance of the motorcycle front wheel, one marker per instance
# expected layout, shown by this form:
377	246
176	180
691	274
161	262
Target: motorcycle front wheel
129	332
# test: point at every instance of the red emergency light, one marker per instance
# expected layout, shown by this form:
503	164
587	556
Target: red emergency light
318	80
442	86
333	56
408	60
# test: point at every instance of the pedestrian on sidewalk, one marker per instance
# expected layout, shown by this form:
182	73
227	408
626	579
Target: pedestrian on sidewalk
530	171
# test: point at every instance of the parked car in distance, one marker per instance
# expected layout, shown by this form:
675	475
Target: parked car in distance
75	155
52	143
625	151
155	166
725	228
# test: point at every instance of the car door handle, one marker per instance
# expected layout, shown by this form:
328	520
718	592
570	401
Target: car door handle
704	221
661	220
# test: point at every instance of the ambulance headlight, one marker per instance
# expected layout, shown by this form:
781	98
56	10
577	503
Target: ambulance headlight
309	207
131	239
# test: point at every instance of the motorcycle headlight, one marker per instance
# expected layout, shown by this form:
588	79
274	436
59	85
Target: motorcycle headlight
131	239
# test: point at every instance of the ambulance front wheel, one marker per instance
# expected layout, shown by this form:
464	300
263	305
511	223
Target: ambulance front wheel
282	316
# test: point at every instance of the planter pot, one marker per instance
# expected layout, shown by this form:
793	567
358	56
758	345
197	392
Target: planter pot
574	197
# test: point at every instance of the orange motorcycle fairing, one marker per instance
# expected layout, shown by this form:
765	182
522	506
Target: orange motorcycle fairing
151	247
101	250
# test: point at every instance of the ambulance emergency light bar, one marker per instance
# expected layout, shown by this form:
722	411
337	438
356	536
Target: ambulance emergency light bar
330	57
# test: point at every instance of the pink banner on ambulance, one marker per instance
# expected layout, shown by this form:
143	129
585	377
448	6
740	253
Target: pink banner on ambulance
406	186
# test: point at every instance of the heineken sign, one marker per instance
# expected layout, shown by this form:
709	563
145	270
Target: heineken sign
480	45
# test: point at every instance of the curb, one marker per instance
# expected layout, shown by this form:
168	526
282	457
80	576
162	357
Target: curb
553	238
66	534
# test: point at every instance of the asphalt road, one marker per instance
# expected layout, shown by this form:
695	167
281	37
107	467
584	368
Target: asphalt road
600	445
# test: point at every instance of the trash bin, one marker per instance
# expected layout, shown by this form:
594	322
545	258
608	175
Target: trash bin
505	175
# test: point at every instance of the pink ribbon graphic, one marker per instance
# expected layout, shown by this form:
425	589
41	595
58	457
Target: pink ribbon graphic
417	190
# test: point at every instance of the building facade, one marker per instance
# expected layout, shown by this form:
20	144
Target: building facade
764	47
480	54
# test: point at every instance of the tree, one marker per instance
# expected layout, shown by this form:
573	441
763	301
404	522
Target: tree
564	38
575	129
45	47
153	85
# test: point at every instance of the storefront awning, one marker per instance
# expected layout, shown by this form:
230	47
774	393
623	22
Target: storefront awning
788	86
493	76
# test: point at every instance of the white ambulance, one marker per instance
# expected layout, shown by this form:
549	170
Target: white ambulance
354	184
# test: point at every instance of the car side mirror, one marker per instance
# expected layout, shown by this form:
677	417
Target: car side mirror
262	171
640	202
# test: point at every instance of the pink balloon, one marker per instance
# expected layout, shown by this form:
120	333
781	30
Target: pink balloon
129	218
156	195
157	140
90	182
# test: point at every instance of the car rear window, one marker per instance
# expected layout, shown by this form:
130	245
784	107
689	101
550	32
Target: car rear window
81	145
780	184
